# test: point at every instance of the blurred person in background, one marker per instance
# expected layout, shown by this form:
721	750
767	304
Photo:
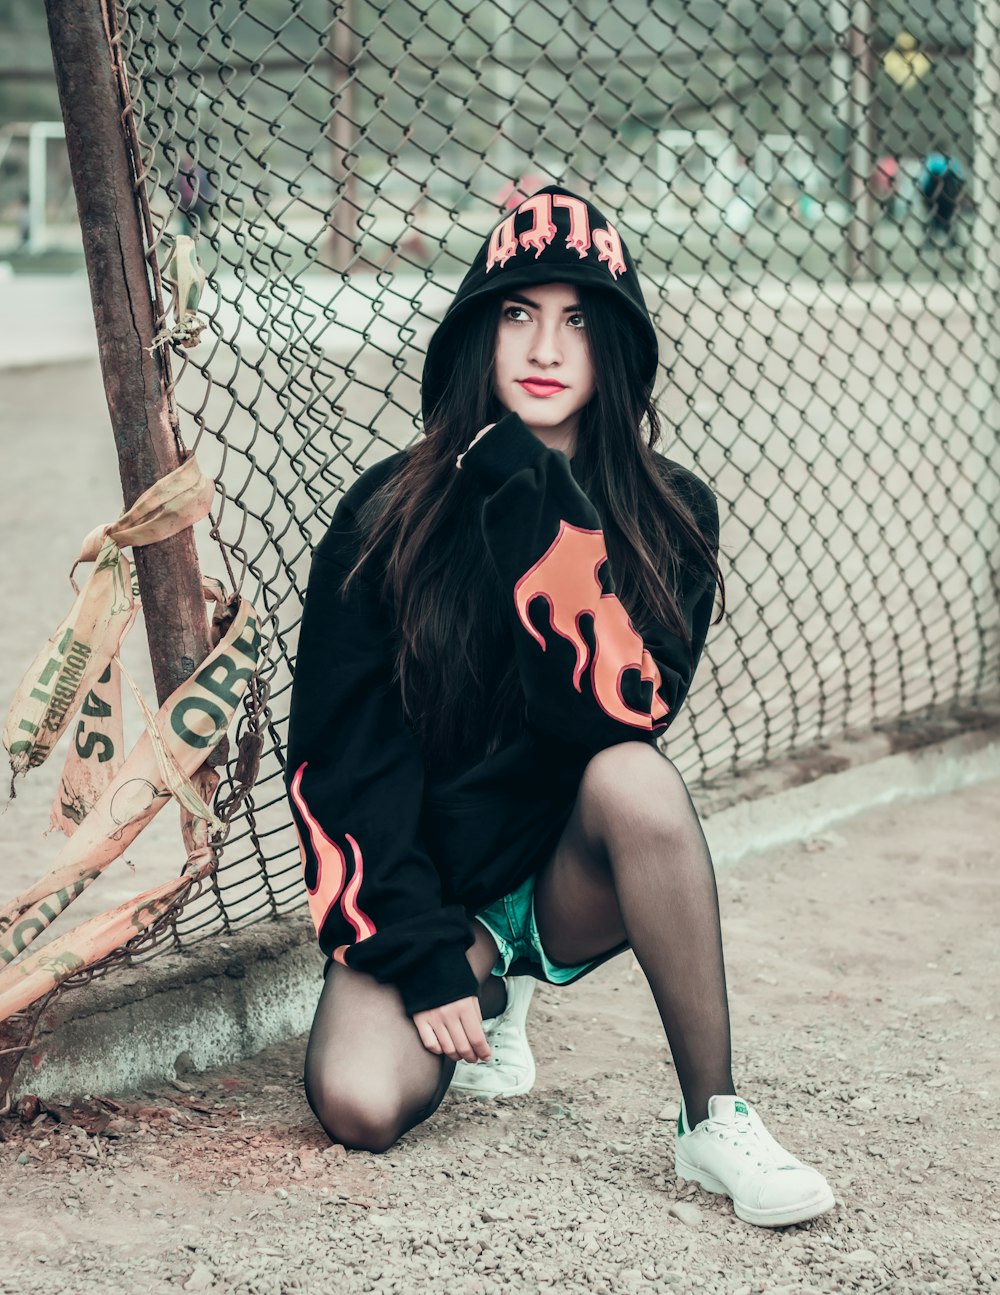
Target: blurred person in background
942	187
883	184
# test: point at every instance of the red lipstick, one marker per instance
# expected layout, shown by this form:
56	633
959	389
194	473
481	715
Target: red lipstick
541	386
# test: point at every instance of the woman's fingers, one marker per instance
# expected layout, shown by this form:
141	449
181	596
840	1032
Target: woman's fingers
455	1031
427	1036
445	1039
457	1047
473	1022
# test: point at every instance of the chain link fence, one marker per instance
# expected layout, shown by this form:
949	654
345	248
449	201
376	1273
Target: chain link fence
809	191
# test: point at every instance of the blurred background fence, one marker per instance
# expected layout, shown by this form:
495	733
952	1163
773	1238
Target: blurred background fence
811	192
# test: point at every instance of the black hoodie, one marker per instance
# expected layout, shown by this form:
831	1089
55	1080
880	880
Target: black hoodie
397	864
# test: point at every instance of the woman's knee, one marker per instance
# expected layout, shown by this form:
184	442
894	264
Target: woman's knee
633	784
362	1116
368	1078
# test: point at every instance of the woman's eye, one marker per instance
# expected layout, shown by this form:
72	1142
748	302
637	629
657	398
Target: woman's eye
510	312
577	320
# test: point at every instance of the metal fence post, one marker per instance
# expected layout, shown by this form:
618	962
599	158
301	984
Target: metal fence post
344	237
986	125
984	395
103	172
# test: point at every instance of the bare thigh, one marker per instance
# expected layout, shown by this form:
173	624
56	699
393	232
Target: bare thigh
576	906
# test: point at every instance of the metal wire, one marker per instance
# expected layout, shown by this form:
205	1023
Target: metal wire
826	310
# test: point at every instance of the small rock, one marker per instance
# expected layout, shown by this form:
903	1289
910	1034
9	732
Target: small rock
669	1112
862	1257
688	1213
118	1127
281	1194
863	1104
28	1107
200	1279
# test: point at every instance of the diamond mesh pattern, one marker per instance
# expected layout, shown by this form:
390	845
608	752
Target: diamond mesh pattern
826	305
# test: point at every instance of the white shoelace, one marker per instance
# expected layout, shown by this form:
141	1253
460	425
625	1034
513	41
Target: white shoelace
756	1143
494	1038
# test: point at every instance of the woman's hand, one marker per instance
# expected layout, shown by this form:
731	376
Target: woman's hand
478	436
454	1030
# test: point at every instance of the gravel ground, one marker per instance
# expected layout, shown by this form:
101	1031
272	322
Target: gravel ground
862	969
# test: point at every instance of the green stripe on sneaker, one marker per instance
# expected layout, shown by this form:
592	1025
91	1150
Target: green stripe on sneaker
680	1123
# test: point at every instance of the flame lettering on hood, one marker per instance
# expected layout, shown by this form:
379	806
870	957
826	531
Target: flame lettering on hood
542	230
328	886
609	249
578	238
566	576
505	243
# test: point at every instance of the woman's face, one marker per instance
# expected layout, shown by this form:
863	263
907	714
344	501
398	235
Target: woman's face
543	370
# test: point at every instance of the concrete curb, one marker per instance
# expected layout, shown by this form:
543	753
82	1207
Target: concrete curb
219	1001
798	813
227	999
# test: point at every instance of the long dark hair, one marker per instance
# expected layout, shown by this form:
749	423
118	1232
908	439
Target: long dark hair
459	685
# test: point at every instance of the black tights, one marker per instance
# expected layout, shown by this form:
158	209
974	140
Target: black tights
631	869
368	1076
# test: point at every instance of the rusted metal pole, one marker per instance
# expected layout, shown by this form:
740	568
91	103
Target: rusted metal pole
102	168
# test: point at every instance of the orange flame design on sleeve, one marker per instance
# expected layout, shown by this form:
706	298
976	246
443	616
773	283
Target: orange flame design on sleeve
331	872
566	576
362	923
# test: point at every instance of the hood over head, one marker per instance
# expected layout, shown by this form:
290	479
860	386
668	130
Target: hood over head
553	236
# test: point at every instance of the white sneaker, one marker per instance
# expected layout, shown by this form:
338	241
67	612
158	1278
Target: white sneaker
511	1067
731	1152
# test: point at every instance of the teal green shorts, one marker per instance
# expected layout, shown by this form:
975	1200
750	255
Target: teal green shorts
511	922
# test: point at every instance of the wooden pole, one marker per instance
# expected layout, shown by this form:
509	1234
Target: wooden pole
103	177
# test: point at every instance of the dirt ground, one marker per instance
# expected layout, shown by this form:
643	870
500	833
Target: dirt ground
862	969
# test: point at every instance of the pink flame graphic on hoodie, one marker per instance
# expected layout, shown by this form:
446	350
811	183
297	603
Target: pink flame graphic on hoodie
566	576
331	873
